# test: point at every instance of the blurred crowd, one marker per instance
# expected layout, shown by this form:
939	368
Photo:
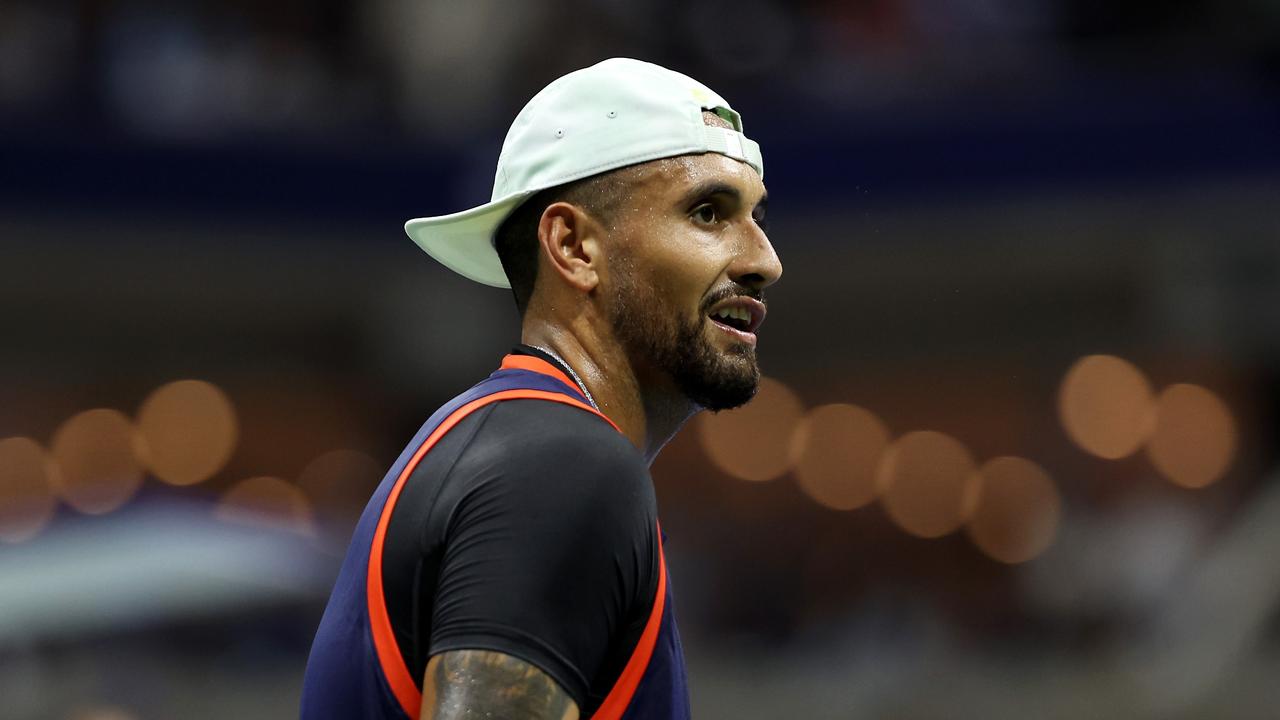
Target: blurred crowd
192	70
1030	248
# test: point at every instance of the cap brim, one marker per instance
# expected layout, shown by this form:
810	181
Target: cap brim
463	241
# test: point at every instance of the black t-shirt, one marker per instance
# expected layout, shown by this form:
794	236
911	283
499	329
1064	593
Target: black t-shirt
530	528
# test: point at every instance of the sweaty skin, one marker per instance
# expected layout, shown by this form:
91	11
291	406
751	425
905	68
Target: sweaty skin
678	249
626	306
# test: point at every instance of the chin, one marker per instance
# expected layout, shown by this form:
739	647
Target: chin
717	379
711	373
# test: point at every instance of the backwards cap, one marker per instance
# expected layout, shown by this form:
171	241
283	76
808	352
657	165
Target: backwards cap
616	113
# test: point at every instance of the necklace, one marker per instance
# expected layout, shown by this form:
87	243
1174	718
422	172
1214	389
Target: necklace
581	385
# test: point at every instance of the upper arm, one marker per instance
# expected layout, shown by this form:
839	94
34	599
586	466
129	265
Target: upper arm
485	684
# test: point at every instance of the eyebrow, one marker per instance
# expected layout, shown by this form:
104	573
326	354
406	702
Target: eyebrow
709	188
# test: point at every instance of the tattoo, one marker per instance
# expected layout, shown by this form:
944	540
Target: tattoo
474	684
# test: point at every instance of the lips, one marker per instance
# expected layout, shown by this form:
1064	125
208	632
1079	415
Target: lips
741	316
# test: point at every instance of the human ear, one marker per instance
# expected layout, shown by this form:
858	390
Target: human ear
569	243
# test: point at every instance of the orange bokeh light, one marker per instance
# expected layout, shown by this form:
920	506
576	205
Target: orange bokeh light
267	502
339	483
189	431
835	450
1194	442
26	497
925	479
1105	406
753	441
1016	510
96	454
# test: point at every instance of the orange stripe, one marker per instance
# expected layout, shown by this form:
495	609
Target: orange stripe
394	669
615	704
538	365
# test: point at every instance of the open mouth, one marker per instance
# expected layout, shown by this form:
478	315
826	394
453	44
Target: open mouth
741	315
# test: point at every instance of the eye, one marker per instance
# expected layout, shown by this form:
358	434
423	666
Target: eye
761	220
705	214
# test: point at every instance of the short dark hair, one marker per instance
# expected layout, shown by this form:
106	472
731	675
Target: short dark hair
517	237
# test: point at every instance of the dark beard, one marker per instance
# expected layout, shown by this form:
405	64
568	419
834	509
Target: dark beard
656	335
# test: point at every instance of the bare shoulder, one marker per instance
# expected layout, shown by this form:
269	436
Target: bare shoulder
462	684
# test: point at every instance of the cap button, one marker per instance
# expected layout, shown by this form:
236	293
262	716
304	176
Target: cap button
613	113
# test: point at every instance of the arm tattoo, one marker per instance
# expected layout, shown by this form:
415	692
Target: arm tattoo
474	684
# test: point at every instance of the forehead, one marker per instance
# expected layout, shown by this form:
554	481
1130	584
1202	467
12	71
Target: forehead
672	178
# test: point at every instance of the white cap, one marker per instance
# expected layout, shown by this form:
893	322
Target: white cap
616	113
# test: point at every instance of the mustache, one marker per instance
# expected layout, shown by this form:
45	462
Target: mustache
733	290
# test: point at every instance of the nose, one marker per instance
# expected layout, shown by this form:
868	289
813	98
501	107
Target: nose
757	265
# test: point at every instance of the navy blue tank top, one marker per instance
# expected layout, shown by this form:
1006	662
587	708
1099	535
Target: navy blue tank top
356	669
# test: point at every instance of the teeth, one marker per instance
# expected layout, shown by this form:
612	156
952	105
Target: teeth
735	313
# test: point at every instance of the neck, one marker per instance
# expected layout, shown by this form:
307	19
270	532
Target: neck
648	409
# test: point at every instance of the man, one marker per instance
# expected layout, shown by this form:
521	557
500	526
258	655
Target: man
511	565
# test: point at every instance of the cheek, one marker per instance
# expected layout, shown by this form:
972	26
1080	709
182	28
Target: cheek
673	264
679	290
683	272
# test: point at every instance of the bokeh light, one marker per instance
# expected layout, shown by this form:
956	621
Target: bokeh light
338	484
1016	510
835	450
189	429
1105	405
26	497
267	502
753	441
1194	442
925	480
96	453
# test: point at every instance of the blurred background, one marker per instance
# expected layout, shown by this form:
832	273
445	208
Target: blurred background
1016	455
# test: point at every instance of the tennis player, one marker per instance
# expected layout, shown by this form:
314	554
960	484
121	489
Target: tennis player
511	564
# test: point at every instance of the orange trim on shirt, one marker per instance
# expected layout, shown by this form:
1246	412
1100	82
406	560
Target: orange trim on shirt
392	662
616	702
538	365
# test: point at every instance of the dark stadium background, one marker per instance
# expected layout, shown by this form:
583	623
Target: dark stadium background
1034	229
